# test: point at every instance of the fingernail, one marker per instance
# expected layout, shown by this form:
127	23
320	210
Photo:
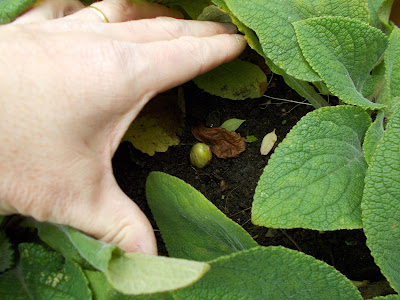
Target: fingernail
230	27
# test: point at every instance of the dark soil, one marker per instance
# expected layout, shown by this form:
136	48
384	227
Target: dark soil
230	183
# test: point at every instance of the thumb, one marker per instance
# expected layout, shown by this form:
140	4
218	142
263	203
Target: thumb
114	218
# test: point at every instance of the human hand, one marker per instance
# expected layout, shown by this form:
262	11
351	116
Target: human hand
71	87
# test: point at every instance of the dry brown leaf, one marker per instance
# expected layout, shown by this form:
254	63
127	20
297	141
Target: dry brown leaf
223	143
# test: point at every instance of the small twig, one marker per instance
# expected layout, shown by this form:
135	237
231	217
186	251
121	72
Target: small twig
239	212
292	240
287	100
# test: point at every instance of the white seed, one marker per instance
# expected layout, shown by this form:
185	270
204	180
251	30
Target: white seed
268	142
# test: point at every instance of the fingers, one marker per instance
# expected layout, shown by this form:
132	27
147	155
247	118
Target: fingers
182	59
48	10
123	10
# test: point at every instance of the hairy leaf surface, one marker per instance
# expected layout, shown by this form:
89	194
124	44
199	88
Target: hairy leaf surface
373	136
191	226
343	52
315	177
272	22
270	273
381	205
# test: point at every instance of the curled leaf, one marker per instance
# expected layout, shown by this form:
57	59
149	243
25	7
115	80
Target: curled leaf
268	142
223	143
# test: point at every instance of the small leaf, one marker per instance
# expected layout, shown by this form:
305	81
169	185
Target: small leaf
129	273
232	124
268	142
43	274
6	253
251	139
343	52
158	125
236	80
270	273
11	9
381	205
223	143
191	226
373	136
315	177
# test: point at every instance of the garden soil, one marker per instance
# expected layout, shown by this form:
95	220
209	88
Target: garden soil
230	183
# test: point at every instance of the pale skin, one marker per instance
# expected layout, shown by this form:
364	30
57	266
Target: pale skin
70	88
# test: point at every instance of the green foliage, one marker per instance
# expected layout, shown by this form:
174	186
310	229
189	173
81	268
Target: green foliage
315	177
43	274
270	273
11	9
373	136
345	68
191	226
381	203
61	271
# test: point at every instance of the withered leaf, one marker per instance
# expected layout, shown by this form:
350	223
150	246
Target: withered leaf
223	143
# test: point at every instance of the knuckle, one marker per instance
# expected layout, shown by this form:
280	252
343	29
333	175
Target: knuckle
174	28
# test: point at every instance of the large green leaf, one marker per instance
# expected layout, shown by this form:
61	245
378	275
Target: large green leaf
128	273
343	52
43	274
315	178
270	273
11	9
272	22
381	205
191	226
392	63
236	80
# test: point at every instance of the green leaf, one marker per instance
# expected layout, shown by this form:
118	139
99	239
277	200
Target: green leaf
388	297
43	274
236	80
379	13
272	22
232	124
373	136
191	226
315	177
102	290
128	273
6	252
381	205
343	52
11	9
192	8
250	139
270	273
392	63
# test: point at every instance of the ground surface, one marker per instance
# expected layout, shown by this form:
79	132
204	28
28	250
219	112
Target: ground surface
230	183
